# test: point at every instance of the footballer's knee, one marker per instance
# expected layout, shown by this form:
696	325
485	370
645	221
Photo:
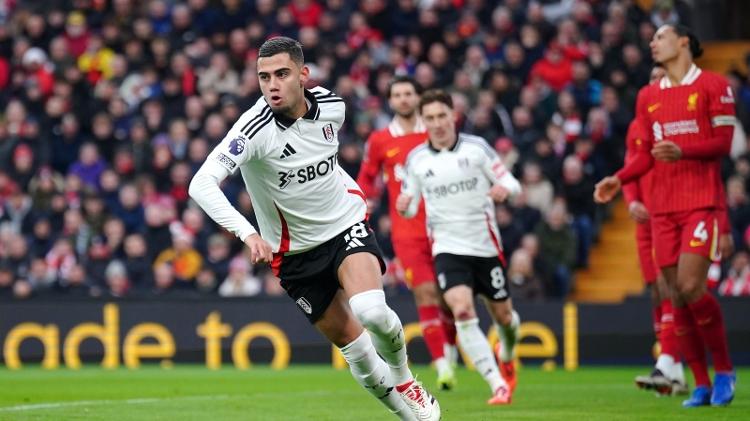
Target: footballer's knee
463	313
504	316
372	311
690	289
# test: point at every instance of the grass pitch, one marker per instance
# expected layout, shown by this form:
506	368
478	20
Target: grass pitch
321	393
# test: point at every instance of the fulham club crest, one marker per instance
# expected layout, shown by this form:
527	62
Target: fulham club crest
328	133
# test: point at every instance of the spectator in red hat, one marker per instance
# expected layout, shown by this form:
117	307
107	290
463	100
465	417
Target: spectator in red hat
554	68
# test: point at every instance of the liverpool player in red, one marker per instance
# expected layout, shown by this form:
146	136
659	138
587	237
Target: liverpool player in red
688	121
668	375
386	151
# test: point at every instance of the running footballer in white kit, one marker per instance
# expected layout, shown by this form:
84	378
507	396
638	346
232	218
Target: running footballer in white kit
460	177
312	217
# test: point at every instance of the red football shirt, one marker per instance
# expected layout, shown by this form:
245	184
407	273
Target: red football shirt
697	115
386	151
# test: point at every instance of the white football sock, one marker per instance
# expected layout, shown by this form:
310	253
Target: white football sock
665	363
508	336
677	373
386	331
373	374
442	365
475	345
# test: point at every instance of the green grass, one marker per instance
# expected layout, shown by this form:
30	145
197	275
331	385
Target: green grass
320	393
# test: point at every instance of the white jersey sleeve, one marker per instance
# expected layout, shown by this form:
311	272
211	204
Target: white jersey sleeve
495	170
411	186
233	151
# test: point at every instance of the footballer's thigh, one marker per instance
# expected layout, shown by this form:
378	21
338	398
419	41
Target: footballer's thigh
360	272
455	280
699	246
338	323
692	271
358	261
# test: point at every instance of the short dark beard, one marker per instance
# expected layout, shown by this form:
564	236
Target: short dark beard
406	116
284	110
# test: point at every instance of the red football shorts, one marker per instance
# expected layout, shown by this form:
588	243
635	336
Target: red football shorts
415	255
695	231
646	252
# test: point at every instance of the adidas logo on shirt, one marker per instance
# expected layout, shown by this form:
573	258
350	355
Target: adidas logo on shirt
288	151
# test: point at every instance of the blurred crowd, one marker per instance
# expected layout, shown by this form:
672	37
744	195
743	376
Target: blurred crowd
107	108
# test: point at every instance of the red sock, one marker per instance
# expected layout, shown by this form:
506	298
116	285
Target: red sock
710	323
667	338
432	331
691	345
449	326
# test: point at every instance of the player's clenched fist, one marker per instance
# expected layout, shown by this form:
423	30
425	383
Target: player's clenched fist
402	203
607	189
260	250
666	151
638	212
498	193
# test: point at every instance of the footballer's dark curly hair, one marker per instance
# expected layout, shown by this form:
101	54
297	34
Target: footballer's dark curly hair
695	45
404	79
281	45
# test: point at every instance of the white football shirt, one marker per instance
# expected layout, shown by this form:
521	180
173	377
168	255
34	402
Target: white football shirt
301	196
454	184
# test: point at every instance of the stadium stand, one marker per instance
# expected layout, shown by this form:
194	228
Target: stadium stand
107	108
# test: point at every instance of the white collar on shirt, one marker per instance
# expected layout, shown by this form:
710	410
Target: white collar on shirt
396	130
690	77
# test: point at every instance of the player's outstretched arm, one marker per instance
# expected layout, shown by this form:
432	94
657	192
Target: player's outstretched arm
407	203
204	189
504	184
606	189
